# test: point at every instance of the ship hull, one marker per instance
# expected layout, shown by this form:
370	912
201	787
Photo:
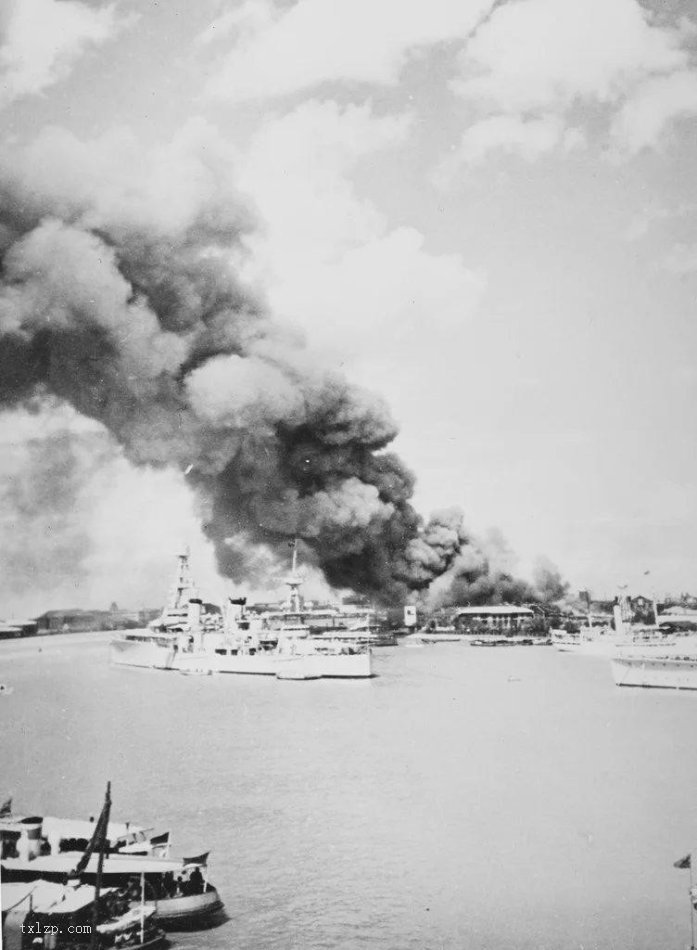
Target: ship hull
612	647
342	665
148	654
189	912
311	666
664	672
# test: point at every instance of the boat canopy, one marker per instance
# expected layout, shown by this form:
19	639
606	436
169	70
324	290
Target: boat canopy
71	827
77	828
45	897
113	864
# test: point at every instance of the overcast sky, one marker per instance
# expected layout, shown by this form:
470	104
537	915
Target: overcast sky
487	211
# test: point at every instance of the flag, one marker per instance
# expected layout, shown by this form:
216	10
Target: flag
6	808
200	859
99	840
683	863
292	544
159	845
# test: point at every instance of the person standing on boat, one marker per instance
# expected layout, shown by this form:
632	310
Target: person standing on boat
196	881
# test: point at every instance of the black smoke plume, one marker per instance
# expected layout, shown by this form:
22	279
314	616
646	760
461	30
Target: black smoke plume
131	308
482	573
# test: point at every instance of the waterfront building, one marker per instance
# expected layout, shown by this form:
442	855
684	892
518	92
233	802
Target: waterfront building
497	617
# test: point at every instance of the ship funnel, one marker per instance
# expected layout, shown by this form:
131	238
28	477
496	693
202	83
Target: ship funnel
194	611
29	844
619	621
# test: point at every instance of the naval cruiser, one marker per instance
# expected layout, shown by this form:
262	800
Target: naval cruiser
192	640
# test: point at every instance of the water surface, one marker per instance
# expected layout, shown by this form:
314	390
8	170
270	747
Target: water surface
465	798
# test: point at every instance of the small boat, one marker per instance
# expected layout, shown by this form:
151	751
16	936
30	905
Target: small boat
34	905
6	690
51	909
178	890
500	642
511	641
434	633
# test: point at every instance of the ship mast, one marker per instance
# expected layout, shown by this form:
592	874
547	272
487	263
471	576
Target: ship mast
183	589
294	580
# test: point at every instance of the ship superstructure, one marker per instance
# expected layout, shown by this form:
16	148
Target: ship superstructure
175	613
184	638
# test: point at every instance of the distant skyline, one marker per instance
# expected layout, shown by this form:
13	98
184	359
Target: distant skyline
484	211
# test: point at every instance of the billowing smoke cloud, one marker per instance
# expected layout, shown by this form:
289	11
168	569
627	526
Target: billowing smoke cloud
482	572
48	492
121	294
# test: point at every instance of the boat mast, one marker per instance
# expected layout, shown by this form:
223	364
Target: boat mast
100	840
682	864
142	908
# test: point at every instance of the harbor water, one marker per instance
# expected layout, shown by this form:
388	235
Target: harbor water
464	798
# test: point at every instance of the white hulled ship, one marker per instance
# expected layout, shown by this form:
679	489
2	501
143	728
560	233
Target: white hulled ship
666	662
625	639
184	638
667	670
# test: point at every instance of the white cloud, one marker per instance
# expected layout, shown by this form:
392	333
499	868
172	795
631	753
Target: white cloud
533	63
536	54
370	297
278	51
41	39
389	293
121	179
644	118
296	170
529	138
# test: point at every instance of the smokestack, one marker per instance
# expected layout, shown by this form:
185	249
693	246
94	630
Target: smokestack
193	617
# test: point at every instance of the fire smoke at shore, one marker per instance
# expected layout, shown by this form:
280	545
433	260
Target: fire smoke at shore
121	295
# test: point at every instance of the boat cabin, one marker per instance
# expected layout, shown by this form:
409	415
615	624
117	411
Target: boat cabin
36	835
